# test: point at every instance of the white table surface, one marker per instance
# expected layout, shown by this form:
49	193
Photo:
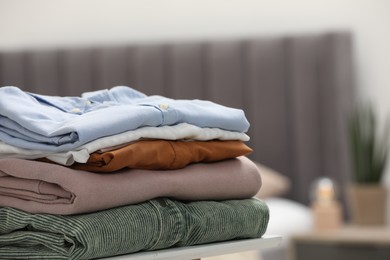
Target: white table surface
206	250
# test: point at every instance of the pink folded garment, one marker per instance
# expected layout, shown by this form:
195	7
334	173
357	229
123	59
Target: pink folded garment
39	187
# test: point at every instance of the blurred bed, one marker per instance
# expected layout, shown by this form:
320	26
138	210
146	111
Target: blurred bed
295	90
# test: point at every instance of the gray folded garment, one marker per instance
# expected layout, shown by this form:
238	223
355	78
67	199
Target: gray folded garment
151	225
39	187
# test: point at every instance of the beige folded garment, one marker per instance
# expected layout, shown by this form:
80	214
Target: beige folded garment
39	187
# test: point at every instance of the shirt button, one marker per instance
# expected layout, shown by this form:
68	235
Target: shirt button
75	110
164	106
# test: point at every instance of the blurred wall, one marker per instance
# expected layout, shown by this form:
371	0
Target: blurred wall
54	23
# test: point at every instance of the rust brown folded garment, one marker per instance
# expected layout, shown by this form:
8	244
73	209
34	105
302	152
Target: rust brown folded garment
40	187
163	155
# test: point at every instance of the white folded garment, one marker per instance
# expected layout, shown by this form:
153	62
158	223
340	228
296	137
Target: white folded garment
81	154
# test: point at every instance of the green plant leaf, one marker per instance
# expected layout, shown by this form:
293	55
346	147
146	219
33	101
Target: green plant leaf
369	148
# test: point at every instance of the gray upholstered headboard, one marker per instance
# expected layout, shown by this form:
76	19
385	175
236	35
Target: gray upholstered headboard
295	90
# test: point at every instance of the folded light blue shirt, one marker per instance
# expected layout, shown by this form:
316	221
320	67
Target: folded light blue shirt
53	123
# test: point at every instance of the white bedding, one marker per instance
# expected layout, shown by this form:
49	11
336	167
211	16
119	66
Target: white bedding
287	218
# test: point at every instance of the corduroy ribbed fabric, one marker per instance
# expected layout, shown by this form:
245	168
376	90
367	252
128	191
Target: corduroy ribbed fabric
152	225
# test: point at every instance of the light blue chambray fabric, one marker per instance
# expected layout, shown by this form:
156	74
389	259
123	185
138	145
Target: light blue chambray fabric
57	124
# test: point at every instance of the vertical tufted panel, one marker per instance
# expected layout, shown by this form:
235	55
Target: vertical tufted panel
111	67
13	70
267	100
43	74
185	74
76	71
150	69
337	96
224	68
304	112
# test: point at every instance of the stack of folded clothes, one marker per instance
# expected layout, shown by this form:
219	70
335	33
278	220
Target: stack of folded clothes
115	172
